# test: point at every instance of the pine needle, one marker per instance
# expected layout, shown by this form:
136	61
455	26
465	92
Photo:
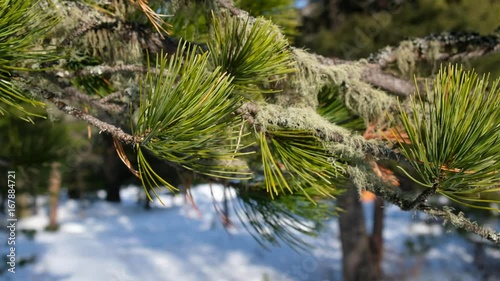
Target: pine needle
155	18
454	143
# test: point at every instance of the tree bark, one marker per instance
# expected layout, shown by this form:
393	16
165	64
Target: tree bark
357	258
331	16
54	188
2	203
376	239
114	171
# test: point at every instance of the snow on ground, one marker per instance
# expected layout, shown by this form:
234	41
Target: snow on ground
123	242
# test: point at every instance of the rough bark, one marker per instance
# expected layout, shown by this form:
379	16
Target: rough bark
2	203
357	260
103	126
54	188
376	238
114	171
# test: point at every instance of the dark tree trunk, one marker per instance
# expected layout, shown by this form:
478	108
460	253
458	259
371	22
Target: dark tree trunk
2	203
54	188
382	5
114	171
376	239
357	258
331	14
34	193
113	194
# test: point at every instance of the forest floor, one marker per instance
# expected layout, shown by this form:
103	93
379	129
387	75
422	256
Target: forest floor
101	241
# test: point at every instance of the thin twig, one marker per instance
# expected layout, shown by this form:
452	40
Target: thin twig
81	97
458	220
101	125
155	18
374	75
78	32
104	69
444	46
228	5
112	96
421	199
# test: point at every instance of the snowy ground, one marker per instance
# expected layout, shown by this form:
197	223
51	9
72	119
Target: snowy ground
109	242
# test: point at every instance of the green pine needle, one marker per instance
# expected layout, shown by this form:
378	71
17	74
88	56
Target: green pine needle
285	218
295	161
455	143
253	53
22	25
186	116
332	109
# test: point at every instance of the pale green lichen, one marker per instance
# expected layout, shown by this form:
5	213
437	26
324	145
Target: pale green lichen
359	178
433	51
338	141
367	102
295	118
406	58
301	88
111	43
311	77
72	16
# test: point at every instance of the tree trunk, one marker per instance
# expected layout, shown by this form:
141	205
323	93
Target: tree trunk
113	168
54	188
34	193
376	239
382	5
357	257
2	204
331	14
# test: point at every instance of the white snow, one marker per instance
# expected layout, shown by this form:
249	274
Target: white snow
124	242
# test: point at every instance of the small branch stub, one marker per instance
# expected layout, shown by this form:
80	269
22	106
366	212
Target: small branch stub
116	132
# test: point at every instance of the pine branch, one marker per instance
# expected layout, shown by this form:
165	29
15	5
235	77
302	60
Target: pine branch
337	140
454	145
460	221
420	200
153	42
103	69
112	96
101	104
155	18
391	195
374	75
269	115
441	47
228	5
101	125
22	26
80	31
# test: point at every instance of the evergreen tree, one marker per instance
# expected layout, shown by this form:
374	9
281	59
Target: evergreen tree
238	105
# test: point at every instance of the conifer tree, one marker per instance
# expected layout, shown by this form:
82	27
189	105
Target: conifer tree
235	103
